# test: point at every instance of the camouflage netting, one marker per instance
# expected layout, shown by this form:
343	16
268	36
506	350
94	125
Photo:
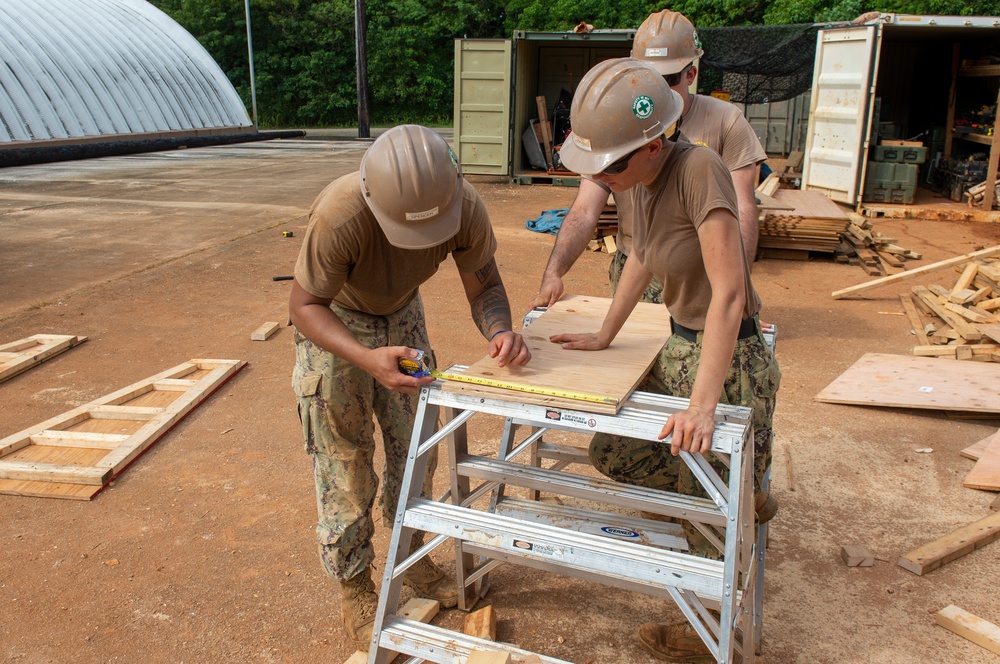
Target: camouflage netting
758	64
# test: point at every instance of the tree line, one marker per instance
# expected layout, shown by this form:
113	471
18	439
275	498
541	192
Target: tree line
304	50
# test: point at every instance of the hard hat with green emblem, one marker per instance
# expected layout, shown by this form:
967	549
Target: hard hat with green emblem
667	41
619	106
412	183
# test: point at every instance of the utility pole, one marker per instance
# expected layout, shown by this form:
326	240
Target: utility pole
253	84
361	53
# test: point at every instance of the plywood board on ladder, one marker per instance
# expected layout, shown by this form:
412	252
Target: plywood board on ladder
76	454
612	373
23	354
904	381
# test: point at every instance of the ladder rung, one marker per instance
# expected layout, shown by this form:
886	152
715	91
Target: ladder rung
436	644
560	452
590	488
563	548
617	527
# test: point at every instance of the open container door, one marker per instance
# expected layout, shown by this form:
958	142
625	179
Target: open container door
840	111
482	105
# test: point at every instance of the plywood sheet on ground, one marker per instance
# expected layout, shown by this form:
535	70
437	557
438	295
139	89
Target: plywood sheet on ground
975	450
613	372
74	455
21	355
985	474
904	381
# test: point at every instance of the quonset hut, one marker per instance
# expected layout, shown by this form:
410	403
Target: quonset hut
86	72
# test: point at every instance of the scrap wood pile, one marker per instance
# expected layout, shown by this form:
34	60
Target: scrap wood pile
877	254
975	193
959	322
796	222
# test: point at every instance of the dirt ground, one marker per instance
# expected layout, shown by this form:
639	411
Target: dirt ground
204	551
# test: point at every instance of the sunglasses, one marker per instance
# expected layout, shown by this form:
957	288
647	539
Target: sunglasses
619	166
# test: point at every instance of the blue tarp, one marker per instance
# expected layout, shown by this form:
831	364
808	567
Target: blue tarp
548	222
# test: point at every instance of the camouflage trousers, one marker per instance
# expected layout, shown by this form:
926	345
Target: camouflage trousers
338	405
653	292
752	381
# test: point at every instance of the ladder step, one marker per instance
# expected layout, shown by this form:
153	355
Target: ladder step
561	548
435	644
603	524
590	488
560	452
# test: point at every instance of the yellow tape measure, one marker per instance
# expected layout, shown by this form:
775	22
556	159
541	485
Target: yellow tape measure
531	389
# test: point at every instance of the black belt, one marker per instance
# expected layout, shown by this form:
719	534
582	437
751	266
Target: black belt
748	328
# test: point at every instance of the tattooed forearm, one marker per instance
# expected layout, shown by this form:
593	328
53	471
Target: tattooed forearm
491	310
488	275
488	299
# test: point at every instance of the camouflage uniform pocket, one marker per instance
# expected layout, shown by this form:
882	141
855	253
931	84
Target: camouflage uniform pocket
305	385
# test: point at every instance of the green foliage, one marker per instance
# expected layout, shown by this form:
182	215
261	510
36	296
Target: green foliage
304	50
411	47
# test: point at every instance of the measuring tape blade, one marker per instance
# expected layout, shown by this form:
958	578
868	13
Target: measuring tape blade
531	389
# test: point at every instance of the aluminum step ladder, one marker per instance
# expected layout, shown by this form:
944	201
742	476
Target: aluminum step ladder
488	528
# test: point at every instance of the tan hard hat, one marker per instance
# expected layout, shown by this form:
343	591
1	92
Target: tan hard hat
412	183
619	106
667	41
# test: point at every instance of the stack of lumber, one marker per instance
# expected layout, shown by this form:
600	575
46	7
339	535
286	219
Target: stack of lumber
877	254
975	194
607	228
813	222
960	321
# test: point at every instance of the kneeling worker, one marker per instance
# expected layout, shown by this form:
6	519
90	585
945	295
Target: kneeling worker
686	233
374	237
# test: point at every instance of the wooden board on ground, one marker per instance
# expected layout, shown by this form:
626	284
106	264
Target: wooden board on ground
481	624
910	274
419	609
954	545
612	373
902	381
76	454
985	474
855	555
264	331
972	627
21	355
975	450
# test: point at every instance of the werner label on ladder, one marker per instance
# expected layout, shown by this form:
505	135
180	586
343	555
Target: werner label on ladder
489	524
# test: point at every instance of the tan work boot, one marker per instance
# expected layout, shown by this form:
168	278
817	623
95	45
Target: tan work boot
674	642
766	506
431	582
358	604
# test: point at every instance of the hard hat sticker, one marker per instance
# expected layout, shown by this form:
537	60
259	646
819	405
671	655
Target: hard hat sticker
581	142
642	107
697	42
656	52
426	214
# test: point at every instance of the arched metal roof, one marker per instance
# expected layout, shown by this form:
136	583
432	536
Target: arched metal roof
77	69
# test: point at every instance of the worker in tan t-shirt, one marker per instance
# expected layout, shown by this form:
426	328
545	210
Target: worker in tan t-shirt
687	234
667	41
374	237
